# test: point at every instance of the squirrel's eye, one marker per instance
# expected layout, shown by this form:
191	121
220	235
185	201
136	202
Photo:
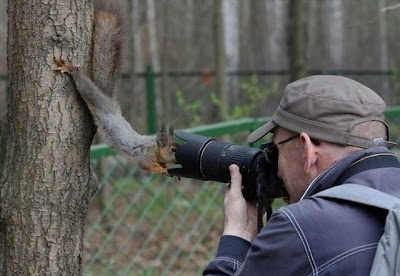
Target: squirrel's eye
173	149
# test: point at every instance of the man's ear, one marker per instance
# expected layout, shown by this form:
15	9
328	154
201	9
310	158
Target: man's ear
309	153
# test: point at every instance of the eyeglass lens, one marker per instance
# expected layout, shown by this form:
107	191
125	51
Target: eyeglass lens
271	151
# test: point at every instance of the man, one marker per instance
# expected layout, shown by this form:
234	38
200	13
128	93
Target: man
328	130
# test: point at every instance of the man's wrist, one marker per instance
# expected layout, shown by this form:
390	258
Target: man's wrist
243	234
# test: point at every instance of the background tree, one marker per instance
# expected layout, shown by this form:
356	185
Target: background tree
296	40
383	49
45	181
220	61
164	87
232	46
154	47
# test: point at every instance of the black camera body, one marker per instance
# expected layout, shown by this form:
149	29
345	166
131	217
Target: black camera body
206	158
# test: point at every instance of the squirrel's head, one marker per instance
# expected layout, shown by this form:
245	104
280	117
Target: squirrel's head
166	145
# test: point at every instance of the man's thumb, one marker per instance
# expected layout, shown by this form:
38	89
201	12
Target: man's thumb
236	179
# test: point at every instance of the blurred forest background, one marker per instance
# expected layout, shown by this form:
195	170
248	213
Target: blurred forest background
220	60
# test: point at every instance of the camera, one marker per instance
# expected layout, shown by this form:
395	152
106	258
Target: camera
205	158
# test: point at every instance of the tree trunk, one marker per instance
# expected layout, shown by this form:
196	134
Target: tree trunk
3	64
232	46
154	53
335	33
220	62
276	33
383	51
137	102
245	34
257	36
45	180
296	40
166	97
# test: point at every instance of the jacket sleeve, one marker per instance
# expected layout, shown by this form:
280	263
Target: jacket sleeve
277	250
231	253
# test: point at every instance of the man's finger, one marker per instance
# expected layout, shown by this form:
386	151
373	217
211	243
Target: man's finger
236	179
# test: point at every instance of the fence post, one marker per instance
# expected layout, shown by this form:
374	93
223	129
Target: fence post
151	100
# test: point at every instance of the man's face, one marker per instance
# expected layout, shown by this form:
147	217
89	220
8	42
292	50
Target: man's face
291	164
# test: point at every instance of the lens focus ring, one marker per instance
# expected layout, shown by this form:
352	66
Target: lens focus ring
216	158
210	159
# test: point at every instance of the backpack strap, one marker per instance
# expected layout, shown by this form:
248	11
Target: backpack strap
361	194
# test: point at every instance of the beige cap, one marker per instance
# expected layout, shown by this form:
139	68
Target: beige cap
327	108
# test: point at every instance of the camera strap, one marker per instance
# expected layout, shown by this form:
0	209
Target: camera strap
264	203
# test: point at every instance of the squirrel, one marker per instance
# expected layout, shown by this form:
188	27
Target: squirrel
151	153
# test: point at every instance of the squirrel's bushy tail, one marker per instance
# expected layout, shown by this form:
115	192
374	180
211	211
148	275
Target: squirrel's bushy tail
107	45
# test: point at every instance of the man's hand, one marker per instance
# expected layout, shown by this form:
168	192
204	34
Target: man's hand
240	215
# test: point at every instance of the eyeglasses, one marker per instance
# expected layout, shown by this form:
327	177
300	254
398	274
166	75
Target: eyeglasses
270	149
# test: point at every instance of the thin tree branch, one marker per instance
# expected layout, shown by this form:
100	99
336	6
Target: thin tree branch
392	7
373	20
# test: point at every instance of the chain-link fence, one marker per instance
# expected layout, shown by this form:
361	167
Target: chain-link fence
145	224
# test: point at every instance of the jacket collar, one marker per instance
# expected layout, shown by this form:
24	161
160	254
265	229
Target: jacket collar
350	165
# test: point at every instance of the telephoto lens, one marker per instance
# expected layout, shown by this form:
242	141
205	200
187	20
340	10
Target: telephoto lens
206	158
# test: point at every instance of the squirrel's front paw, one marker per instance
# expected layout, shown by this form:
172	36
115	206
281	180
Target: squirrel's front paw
155	168
65	68
61	66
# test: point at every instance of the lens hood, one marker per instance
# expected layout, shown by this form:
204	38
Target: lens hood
188	154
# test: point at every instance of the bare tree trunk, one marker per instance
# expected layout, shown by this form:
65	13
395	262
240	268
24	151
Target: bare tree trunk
45	180
232	45
245	34
335	33
3	64
296	40
257	38
166	97
276	32
153	47
314	41
152	32
383	51
137	103
220	60
137	36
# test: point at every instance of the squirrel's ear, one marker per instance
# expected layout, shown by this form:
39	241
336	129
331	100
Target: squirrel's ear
162	136
163	128
171	134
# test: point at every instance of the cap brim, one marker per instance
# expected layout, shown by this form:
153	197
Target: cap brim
261	132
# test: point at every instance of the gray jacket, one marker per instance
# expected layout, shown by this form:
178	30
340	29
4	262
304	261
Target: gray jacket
318	236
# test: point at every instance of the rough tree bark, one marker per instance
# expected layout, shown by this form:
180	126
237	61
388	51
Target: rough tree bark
45	177
3	64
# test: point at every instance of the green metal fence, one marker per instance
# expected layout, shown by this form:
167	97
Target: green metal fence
145	224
